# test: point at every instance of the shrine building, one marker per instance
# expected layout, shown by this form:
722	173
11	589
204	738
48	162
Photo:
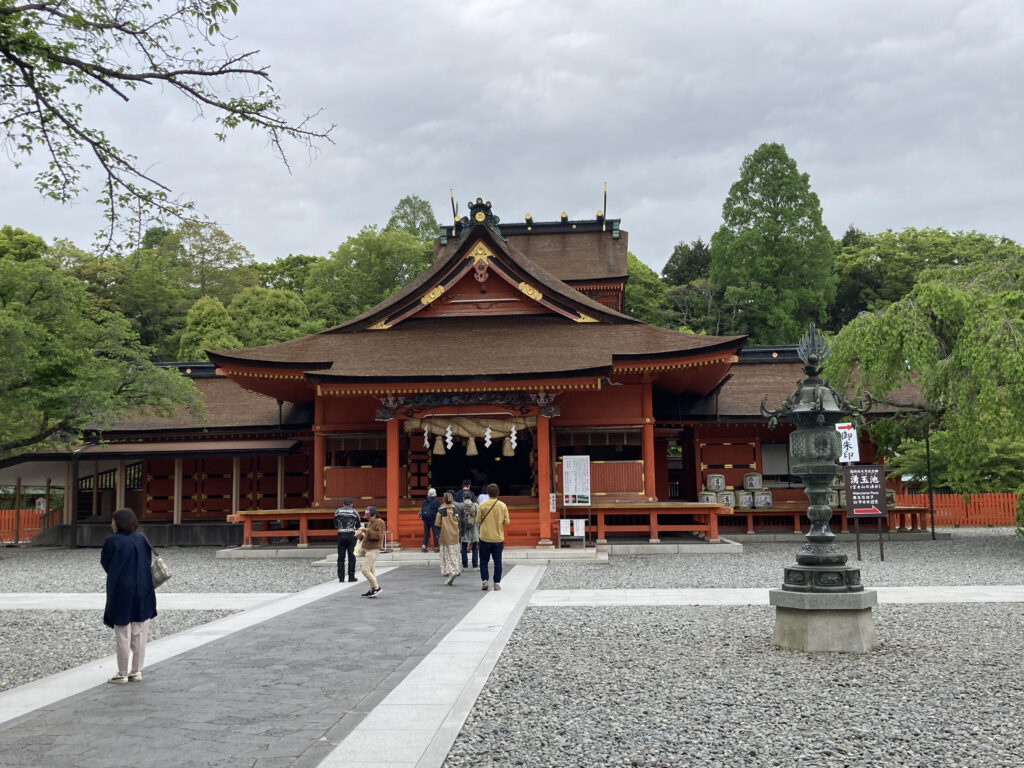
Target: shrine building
510	353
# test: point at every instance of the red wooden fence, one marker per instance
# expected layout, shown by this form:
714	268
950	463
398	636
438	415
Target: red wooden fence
980	509
30	523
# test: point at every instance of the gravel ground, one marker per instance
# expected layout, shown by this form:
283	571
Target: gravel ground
39	643
195	569
971	556
703	687
653	687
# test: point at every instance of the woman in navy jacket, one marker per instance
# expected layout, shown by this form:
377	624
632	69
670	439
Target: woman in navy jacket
131	599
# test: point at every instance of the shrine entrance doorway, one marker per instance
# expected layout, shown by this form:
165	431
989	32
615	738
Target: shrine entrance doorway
513	474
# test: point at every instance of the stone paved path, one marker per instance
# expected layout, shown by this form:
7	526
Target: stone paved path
283	692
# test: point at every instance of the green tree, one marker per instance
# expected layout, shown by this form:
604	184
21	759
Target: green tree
207	326
873	271
364	270
688	262
699	307
20	245
53	53
265	316
414	215
772	253
957	335
145	286
69	365
207	260
645	294
999	462
290	273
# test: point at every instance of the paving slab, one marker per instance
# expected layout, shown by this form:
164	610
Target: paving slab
284	690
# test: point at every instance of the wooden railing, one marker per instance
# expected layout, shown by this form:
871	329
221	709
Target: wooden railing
644	520
980	509
909	514
28	524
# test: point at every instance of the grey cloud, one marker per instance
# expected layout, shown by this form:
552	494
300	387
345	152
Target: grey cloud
903	114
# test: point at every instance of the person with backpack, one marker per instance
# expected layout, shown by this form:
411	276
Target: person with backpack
428	514
469	536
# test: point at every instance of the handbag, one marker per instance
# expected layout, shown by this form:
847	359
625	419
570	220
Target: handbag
158	568
359	551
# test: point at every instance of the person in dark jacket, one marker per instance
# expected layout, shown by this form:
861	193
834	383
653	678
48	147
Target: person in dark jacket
131	599
346	521
428	514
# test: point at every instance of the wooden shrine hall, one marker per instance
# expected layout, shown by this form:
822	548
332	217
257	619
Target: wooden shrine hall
511	352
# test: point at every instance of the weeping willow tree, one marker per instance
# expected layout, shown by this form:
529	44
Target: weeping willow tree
958	336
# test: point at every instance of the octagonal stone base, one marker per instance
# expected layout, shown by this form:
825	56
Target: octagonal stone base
816	622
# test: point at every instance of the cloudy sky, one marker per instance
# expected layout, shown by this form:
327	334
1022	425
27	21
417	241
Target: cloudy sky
902	113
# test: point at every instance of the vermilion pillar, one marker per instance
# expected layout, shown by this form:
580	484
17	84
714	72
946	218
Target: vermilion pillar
319	460
394	492
544	478
319	450
648	442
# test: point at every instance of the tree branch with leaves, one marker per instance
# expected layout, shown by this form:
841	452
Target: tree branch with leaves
55	53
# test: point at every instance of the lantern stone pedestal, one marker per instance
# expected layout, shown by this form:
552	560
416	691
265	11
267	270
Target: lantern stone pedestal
816	622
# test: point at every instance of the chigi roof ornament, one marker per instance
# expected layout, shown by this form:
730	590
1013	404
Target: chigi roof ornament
479	213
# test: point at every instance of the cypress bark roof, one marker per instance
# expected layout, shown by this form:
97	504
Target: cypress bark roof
389	341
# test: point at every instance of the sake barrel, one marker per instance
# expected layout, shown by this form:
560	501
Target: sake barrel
763	499
833	498
752	481
707	497
727	499
716	482
744	500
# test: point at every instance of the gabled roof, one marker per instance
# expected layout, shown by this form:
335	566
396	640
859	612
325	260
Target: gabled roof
482	242
588	250
526	324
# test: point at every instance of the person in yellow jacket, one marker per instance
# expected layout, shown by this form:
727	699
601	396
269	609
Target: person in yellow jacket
491	519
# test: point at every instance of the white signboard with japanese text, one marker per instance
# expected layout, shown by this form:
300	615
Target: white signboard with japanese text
576	481
851	447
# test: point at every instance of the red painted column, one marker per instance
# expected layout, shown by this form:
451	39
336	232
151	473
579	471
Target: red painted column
648	442
544	478
319	450
319	459
393	491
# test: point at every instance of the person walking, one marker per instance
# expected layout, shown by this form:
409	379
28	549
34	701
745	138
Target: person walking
448	522
469	536
491	519
428	514
131	598
372	535
346	522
